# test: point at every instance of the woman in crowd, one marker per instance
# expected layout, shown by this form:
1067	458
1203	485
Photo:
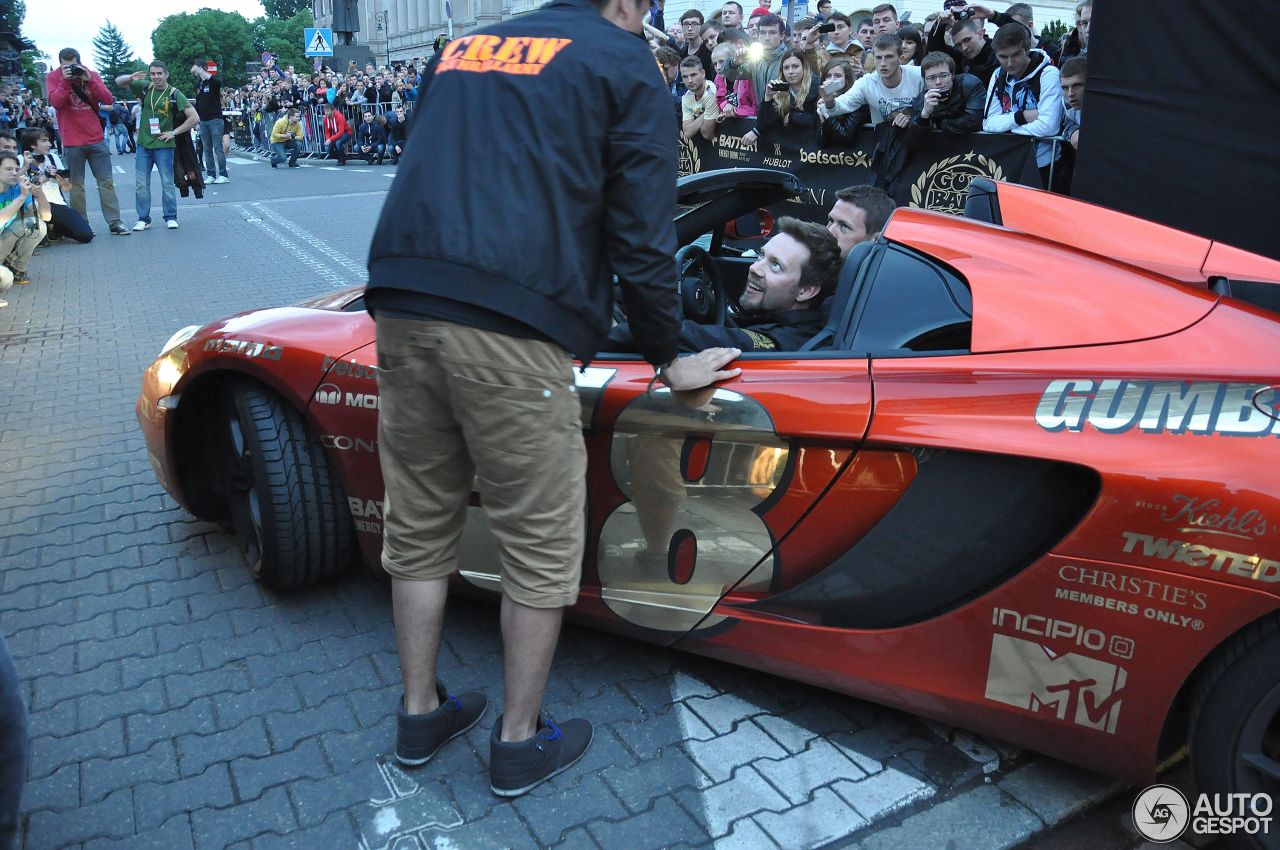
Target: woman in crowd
913	49
842	130
738	100
793	100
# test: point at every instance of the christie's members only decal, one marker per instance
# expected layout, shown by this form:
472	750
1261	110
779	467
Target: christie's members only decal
520	55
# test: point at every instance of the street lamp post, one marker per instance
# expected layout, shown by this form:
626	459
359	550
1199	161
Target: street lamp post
381	18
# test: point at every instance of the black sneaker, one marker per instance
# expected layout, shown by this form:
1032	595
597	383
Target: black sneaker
419	736
119	229
517	767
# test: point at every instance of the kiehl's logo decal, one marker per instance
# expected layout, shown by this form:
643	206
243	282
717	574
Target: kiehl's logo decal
480	54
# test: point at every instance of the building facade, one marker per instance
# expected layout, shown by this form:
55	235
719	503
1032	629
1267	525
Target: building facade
397	30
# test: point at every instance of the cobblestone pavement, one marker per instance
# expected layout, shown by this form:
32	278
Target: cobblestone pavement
176	704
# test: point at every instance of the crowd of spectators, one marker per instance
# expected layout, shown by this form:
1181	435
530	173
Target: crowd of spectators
832	77
352	112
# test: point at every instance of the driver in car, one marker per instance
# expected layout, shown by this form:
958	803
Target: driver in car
781	306
796	270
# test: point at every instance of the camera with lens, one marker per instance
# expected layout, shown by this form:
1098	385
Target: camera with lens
963	14
77	70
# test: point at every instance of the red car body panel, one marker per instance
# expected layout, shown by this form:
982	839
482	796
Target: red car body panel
1096	349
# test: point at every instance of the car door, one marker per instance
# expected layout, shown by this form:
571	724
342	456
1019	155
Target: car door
688	498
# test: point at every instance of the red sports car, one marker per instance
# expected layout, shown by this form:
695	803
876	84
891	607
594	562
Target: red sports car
1023	482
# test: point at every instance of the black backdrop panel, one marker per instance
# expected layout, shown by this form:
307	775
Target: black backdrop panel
1182	117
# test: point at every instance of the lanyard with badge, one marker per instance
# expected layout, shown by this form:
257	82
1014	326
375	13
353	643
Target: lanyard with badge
153	122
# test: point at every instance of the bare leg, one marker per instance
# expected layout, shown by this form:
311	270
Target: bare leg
419	615
529	638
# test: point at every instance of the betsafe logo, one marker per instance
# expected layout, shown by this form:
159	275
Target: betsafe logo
1161	813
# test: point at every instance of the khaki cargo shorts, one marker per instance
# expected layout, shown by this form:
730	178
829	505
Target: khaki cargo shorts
461	407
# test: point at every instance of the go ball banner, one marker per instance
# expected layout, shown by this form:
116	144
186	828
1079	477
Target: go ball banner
935	177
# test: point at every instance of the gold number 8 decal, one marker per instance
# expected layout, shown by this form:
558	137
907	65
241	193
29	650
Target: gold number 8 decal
689	531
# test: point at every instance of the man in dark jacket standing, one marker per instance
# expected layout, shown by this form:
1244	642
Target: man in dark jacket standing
487	275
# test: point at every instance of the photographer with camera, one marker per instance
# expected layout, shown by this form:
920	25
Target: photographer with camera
48	174
24	210
951	103
75	92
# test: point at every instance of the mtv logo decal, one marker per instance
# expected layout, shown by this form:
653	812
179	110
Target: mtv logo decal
1030	676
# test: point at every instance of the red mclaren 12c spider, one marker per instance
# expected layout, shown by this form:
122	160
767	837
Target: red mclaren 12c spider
1024	482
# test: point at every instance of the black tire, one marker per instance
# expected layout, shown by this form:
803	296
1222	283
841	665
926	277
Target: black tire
284	500
1235	723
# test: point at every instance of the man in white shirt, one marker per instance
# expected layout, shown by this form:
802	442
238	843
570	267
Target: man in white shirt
698	107
888	92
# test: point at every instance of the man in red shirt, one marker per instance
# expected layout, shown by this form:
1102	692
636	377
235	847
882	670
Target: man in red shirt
337	133
76	92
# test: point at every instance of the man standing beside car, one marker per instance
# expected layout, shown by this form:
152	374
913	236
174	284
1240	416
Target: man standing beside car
75	92
487	276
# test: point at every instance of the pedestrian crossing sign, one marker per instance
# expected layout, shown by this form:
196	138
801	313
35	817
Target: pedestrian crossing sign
318	41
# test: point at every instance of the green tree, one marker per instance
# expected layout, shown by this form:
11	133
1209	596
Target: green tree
110	50
113	56
224	37
16	13
1054	32
283	39
285	9
31	76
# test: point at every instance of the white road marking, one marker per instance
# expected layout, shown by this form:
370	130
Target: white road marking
357	269
117	169
308	258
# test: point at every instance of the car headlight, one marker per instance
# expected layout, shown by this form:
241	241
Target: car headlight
178	339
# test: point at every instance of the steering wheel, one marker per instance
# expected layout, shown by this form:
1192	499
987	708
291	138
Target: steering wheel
702	295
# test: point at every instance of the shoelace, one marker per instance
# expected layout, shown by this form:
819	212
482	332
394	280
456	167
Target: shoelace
551	733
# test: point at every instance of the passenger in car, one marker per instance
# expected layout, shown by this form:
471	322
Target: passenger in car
796	270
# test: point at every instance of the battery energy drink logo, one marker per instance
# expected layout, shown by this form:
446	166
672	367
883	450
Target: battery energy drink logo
1073	687
521	55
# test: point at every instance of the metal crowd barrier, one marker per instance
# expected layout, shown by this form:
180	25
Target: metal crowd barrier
252	130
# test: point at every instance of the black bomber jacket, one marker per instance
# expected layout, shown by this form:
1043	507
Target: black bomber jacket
542	161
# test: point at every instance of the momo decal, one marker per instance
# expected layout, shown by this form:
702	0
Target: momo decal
1202	557
1028	675
245	348
332	394
1114	406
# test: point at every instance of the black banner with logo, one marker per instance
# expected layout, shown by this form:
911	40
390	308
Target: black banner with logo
936	177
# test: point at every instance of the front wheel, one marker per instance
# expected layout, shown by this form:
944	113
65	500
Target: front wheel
284	499
1235	724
